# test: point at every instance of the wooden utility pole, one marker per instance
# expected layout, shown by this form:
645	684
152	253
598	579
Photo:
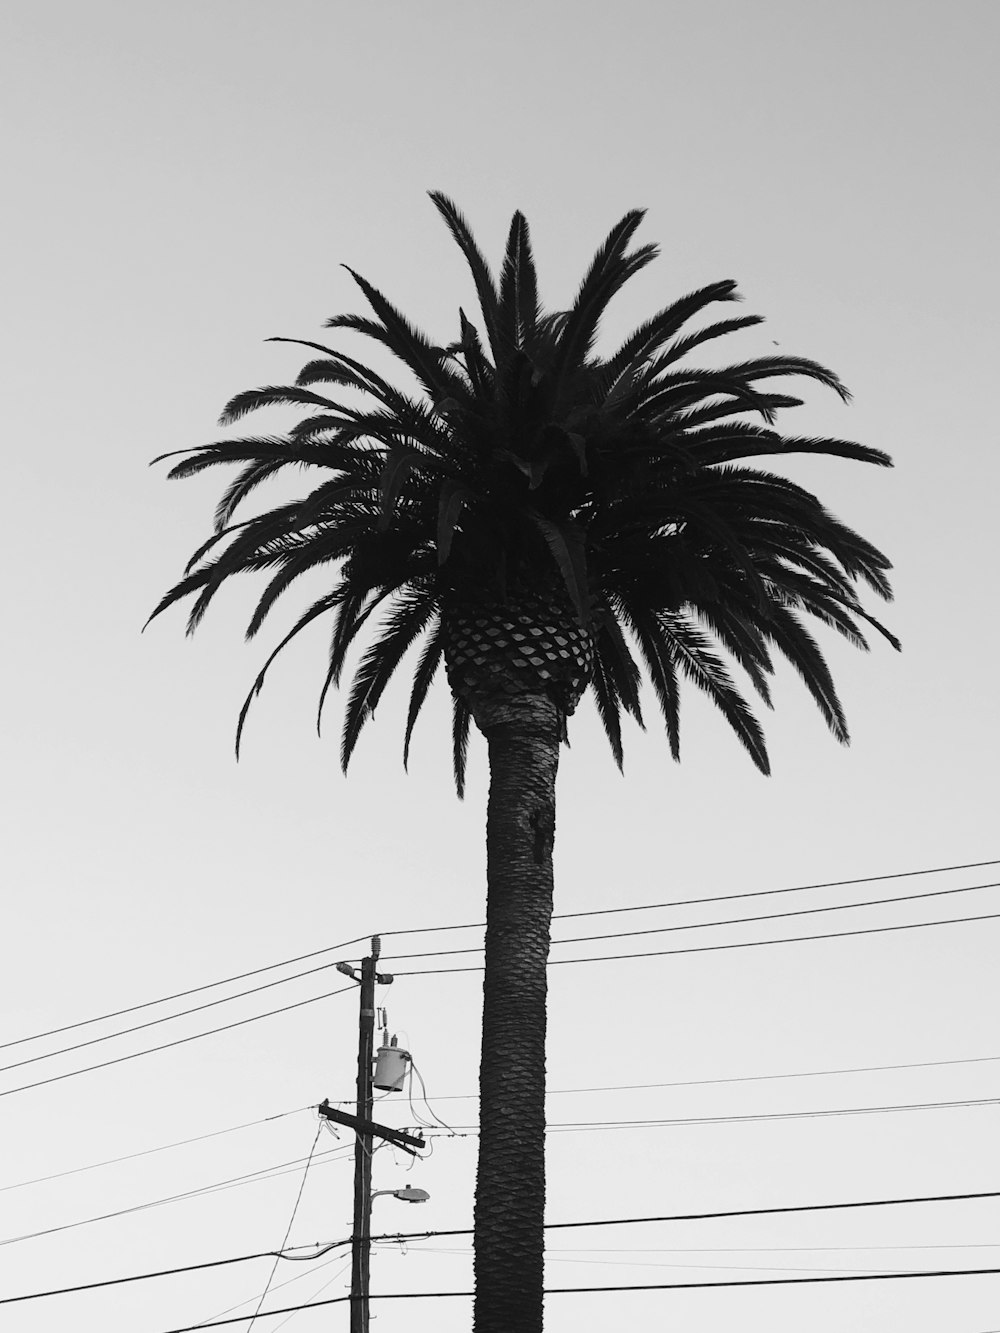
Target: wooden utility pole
364	1139
366	1131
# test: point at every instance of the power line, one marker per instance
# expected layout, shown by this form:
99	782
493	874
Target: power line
182	994
167	1018
552	1092
738	1078
715	948
180	1041
287	1283
730	921
345	944
288	1229
795	888
549	1226
585	1126
718	898
559	1257
218	1187
148	1152
168	1272
808	911
632	1286
717	1216
565	1127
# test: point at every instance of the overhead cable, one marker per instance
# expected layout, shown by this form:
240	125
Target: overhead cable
729	921
182	994
581	939
551	1092
179	1041
173	1272
664	1122
608	911
166	1018
719	898
715	948
148	1152
633	1286
288	1229
217	1187
396	1237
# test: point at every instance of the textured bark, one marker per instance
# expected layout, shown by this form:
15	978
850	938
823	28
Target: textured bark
523	736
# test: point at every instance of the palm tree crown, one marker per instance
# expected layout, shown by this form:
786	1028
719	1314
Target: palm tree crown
589	515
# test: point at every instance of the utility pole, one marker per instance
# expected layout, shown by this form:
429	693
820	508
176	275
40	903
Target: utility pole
366	1131
363	1142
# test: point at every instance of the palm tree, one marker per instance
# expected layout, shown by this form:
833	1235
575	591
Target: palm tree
542	519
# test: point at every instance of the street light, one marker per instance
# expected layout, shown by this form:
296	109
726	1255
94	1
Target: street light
408	1194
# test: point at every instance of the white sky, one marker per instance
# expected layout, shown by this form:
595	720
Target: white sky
184	180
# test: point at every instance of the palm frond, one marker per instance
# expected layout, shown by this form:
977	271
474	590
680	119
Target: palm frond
404	623
610	269
649	336
766	367
742	641
648	633
430	660
618	664
689	418
461	719
326	548
274	395
608	708
567	543
477	367
517	312
220	452
237	491
798	647
408	343
481	275
692	653
681	346
326	603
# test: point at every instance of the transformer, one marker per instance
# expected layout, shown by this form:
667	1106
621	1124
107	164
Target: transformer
391	1063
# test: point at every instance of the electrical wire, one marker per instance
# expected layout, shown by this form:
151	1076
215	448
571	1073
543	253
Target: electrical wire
300	1277
329	1283
182	994
719	898
588	1126
584	1125
738	1078
421	930
168	1045
715	1216
397	1237
148	1152
218	1187
288	1229
167	1018
795	888
467	1131
423	1089
730	921
632	1286
553	1092
558	1257
170	1272
715	948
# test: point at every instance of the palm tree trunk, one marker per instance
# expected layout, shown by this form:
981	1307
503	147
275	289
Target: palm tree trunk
523	734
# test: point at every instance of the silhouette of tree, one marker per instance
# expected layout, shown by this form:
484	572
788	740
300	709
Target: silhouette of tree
542	520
